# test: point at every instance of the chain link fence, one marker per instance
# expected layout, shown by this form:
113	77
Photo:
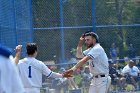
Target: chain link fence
15	23
117	21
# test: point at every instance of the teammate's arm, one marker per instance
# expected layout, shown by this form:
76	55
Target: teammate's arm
81	63
78	65
79	53
49	73
57	75
18	51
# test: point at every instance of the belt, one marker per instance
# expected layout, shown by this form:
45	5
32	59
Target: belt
98	76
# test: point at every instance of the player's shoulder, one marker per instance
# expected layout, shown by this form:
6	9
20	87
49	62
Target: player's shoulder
36	61
97	47
30	60
21	61
85	52
26	60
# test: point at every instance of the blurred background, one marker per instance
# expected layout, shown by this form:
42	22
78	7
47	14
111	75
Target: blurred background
56	25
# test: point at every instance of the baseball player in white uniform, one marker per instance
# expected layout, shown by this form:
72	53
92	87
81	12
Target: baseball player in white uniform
10	81
31	70
98	63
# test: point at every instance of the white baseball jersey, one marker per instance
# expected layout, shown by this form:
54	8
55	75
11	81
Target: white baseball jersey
31	71
132	71
10	81
98	64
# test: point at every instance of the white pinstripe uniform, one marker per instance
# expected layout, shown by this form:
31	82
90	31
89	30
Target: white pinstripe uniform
31	71
98	66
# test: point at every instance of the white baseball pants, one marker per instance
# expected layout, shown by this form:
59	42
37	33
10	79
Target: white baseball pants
100	85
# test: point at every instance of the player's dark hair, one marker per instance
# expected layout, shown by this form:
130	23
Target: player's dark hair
31	48
89	33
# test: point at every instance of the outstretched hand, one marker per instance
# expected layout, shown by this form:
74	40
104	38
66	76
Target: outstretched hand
68	73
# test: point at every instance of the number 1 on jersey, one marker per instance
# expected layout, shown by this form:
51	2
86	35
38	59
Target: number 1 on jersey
30	76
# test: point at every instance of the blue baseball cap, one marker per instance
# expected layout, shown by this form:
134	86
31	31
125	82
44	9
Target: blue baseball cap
4	51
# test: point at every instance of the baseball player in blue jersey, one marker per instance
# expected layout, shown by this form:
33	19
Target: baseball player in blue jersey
98	63
10	81
31	70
